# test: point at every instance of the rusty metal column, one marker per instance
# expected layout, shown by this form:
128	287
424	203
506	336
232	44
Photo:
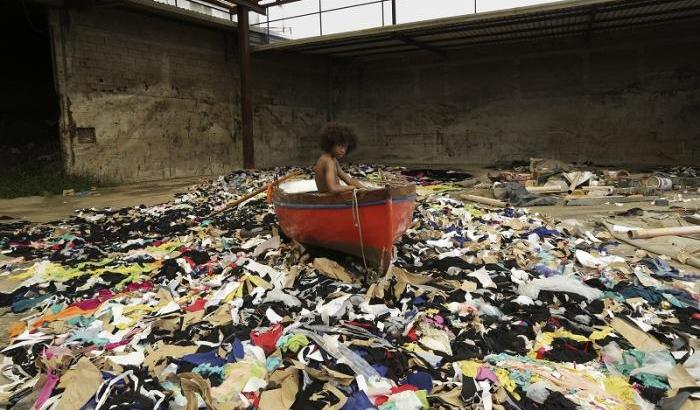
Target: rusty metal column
246	88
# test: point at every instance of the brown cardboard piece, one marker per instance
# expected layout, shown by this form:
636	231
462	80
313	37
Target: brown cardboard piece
155	359
283	397
80	384
405	278
333	270
638	338
325	374
679	378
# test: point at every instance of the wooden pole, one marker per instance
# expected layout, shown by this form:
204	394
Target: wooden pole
653	233
246	197
246	88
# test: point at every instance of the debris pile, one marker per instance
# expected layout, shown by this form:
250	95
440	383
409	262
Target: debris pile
549	182
165	307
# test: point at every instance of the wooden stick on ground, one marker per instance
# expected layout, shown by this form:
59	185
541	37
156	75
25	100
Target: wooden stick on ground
546	189
483	200
585	201
246	197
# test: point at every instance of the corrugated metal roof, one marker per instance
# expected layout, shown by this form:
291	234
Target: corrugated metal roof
552	20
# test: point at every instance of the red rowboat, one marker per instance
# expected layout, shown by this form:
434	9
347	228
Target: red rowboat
365	223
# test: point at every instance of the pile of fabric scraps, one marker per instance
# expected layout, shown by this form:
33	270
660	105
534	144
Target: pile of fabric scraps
164	307
428	181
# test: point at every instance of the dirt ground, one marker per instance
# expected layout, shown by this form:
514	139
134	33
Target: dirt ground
43	209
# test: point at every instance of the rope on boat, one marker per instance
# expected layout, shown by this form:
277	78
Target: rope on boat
358	225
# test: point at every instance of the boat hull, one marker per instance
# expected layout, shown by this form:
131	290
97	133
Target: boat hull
332	221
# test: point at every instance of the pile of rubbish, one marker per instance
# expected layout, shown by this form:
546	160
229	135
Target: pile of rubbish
165	307
549	182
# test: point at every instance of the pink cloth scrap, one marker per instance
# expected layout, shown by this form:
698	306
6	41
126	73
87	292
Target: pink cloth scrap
114	345
485	373
88	304
139	286
46	390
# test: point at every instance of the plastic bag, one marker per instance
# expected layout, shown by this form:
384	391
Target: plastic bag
558	284
656	363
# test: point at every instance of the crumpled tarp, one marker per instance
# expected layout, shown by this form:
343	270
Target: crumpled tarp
515	194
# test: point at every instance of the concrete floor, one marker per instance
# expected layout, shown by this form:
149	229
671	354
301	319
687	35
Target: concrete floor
578	212
41	209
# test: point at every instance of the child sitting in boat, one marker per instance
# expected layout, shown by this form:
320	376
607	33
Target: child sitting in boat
337	140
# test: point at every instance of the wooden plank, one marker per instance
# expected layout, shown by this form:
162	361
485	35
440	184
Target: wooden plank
607	199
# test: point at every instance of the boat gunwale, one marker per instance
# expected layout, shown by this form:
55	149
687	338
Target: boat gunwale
360	204
380	195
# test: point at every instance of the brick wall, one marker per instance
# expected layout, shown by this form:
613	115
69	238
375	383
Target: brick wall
161	95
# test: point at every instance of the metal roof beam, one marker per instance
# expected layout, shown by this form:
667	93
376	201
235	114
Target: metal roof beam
535	35
463	39
420	44
250	5
582	11
278	3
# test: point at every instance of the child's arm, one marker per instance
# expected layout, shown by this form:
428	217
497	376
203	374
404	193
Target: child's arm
348	179
329	175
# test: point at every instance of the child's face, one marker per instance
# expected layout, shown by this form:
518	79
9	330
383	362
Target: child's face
339	151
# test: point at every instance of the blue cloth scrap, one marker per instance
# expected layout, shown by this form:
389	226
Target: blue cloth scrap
358	401
419	301
381	369
210	357
543	232
650	295
543	270
26	304
237	351
422	380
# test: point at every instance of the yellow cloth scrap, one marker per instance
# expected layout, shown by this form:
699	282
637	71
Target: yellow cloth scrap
469	368
507	383
252	281
166	246
134	313
51	271
48	270
424	190
619	386
546	338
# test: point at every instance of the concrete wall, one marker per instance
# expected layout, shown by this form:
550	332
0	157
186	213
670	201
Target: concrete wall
291	104
161	95
163	98
622	98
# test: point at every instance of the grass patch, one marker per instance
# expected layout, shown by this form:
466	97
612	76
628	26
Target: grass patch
38	170
43	179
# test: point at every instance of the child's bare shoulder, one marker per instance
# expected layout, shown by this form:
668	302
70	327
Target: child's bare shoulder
325	160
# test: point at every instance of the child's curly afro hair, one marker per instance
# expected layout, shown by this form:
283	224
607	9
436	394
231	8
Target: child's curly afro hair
334	133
